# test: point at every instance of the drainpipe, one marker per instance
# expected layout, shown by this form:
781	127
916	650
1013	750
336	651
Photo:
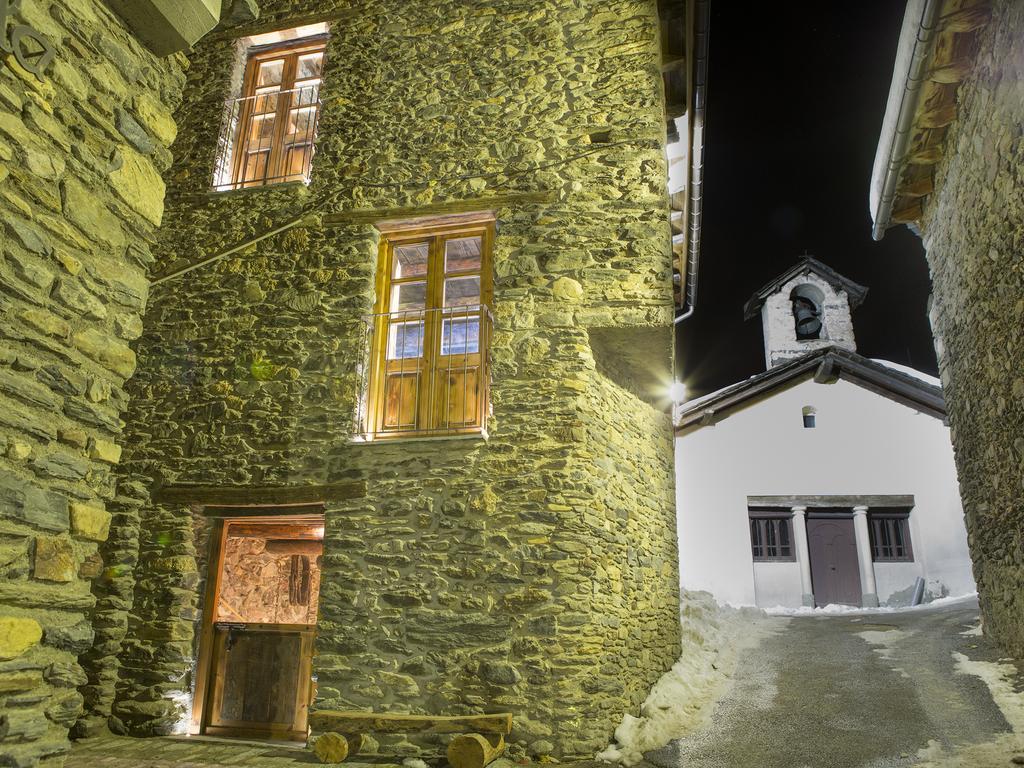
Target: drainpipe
696	191
926	27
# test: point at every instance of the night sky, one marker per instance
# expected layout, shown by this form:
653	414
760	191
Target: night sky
796	93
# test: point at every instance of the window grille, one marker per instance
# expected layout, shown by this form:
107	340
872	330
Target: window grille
428	345
890	538
771	538
269	133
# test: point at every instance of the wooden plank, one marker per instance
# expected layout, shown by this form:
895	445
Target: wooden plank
374	722
488	202
256	495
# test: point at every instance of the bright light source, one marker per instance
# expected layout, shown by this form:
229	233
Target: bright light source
677	392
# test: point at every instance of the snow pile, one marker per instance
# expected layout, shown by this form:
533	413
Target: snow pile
682	700
833	609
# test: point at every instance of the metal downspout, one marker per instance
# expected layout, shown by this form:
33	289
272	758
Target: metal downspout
696	191
905	122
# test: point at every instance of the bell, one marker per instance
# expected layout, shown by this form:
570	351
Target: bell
808	323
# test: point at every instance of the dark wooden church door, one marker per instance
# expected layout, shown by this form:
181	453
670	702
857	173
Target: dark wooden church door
835	571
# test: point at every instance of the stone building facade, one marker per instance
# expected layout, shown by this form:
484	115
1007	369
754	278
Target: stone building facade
531	568
85	129
971	225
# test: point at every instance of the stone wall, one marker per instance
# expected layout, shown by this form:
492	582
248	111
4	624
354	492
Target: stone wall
81	152
532	571
974	238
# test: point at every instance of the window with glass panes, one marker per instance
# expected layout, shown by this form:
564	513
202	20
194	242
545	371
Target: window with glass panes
277	114
890	537
771	538
431	332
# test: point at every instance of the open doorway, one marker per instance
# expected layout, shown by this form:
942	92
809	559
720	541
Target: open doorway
255	658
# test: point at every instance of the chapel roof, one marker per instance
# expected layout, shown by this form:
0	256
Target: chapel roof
823	366
806	265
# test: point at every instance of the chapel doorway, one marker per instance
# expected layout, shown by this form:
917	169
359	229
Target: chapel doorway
835	569
257	647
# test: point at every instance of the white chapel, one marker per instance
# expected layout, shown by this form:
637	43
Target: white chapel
829	478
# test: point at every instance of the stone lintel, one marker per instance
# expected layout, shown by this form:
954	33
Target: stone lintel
168	26
257	496
832	501
483	203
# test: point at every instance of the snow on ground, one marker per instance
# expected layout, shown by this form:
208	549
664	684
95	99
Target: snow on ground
1008	749
835	609
683	699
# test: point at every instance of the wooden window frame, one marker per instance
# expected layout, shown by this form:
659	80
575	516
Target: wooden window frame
277	153
892	520
762	520
429	421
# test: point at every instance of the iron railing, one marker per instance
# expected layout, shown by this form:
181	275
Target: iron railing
427	372
268	138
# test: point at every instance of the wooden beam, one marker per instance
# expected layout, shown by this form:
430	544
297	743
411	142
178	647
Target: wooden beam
928	155
936	117
955	71
672	62
373	722
257	496
967	19
909	212
488	202
921	187
300	531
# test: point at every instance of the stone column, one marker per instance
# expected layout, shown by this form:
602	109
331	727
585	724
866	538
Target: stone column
803	556
869	592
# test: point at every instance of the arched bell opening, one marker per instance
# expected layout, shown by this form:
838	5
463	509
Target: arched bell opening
807	312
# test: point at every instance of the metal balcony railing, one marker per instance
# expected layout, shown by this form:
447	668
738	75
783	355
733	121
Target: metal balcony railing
268	138
427	373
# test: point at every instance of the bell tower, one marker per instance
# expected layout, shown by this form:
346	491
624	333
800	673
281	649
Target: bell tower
807	307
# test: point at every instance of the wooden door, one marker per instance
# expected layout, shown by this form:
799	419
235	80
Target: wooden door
256	655
262	678
835	570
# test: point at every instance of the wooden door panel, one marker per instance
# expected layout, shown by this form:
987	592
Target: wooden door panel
835	569
261	681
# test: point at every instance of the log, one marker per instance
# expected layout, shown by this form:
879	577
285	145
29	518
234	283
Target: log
281	547
474	750
372	722
331	748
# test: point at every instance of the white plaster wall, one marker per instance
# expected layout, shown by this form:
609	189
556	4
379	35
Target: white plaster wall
776	583
863	444
779	326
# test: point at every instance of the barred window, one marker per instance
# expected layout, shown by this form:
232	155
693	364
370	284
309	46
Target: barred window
270	131
771	538
890	538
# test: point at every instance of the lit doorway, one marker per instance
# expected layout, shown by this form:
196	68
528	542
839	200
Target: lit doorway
255	660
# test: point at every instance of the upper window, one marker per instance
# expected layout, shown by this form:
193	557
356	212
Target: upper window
771	538
429	338
890	538
269	131
810	413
